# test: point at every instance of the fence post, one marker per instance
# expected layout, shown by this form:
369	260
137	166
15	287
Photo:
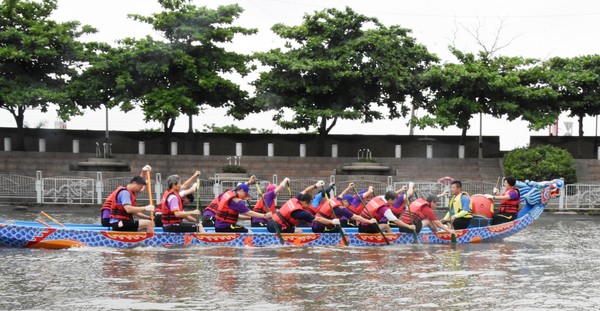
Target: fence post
158	187
99	187
38	186
561	198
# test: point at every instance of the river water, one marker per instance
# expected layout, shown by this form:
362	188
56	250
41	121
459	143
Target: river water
552	265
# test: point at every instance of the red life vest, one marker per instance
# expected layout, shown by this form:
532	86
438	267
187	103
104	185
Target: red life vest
326	212
259	207
416	210
117	211
398	210
214	204
284	215
510	206
108	203
356	209
374	207
224	213
168	216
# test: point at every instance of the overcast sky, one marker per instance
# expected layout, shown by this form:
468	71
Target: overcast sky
537	29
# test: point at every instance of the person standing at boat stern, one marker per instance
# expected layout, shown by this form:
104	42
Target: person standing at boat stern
379	207
423	215
509	201
231	206
459	211
172	209
124	206
268	198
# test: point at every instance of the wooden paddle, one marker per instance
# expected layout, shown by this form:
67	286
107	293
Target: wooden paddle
415	235
342	233
52	219
277	231
387	242
450	210
198	200
149	188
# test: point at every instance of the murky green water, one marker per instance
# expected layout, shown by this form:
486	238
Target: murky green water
553	265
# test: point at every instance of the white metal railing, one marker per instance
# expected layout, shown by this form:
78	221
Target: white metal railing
83	190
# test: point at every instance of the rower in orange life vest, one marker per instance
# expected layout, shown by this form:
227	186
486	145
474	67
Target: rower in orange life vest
124	206
208	217
340	208
509	202
172	209
108	203
269	197
231	206
459	213
186	192
298	209
403	196
379	207
423	215
356	206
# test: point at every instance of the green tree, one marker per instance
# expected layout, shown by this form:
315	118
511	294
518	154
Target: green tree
38	57
540	163
178	74
577	80
499	86
336	65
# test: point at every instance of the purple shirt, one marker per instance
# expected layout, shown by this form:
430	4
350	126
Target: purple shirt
513	194
239	206
339	212
173	203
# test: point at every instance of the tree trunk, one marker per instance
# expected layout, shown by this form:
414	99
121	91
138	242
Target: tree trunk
190	127
19	141
463	137
580	122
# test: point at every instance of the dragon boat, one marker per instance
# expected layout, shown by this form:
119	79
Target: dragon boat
24	234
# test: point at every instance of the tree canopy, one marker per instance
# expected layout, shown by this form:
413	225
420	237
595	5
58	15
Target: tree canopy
38	57
339	65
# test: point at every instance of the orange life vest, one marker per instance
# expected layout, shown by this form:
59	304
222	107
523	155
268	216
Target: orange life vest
326	212
214	204
224	213
284	215
374	207
168	216
416	210
117	211
510	206
259	207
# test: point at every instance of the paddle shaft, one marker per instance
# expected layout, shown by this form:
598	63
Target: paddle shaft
149	187
450	210
415	236
277	231
198	199
54	220
342	233
387	242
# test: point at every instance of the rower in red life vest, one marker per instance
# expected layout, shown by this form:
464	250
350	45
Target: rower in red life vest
186	192
230	208
339	205
172	209
509	202
399	205
108	203
298	209
379	207
423	215
356	204
267	199
124	206
208	217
